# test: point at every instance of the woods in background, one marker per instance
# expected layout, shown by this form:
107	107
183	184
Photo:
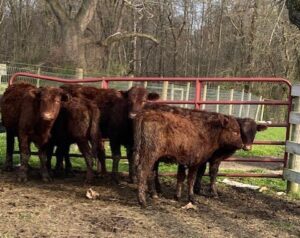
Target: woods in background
153	37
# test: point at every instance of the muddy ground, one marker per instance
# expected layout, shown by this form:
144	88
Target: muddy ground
60	209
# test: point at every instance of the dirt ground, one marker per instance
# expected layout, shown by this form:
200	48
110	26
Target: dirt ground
60	209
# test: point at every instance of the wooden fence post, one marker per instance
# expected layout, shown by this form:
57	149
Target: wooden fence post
241	106
38	80
218	98
231	99
187	95
79	73
165	90
204	95
257	109
294	160
249	105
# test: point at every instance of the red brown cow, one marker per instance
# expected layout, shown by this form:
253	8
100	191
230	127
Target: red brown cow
188	139
77	122
29	113
248	129
117	109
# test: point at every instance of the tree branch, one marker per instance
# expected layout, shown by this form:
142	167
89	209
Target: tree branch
123	36
86	13
58	11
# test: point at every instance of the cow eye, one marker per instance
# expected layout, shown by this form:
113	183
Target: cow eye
235	133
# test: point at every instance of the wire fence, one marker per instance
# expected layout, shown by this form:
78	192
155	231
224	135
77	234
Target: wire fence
184	91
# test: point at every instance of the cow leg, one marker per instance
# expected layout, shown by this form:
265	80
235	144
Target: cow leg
88	156
200	173
49	152
132	172
116	156
180	179
43	167
143	172
191	182
25	155
151	184
156	178
101	165
59	161
68	164
213	171
10	142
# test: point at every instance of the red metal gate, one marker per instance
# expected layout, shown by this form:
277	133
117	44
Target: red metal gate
197	102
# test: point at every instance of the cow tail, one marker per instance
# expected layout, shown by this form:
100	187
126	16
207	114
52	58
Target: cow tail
137	137
95	135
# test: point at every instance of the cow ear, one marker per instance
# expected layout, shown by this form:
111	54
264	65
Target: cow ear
153	96
124	93
65	96
219	120
35	93
261	127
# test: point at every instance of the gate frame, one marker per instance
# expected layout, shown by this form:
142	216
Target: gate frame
197	102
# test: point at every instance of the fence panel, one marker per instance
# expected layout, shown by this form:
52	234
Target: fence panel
292	173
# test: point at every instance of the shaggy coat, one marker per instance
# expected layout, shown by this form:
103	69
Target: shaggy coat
248	129
187	138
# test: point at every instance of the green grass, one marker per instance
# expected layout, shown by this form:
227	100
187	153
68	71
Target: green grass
272	133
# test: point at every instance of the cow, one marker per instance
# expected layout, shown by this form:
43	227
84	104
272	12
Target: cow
117	110
248	129
187	138
29	113
77	122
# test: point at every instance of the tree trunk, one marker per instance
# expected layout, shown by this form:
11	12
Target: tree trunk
73	47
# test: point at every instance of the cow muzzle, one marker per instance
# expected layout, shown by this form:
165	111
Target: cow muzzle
247	147
132	115
47	116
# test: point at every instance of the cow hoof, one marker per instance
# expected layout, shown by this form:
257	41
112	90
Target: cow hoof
115	180
69	174
8	168
22	179
192	199
143	204
154	196
46	178
176	197
132	180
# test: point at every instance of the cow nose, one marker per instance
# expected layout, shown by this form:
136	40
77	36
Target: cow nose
47	116
247	147
132	115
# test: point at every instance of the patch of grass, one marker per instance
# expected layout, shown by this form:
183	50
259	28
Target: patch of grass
272	133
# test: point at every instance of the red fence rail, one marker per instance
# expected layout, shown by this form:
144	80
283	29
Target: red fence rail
197	102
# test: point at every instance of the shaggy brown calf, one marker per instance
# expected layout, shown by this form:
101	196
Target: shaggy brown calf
29	113
77	122
188	139
248	129
117	109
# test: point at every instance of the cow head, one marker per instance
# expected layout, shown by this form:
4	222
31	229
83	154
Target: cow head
136	98
230	135
248	131
50	99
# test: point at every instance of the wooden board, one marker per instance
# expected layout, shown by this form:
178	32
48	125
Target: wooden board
295	117
291	175
296	90
292	147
